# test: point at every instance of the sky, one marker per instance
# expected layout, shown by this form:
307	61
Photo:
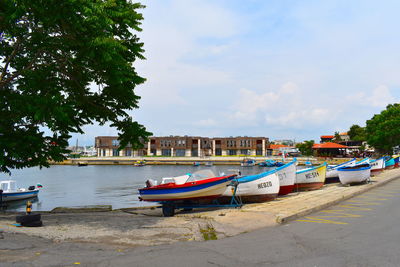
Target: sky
275	68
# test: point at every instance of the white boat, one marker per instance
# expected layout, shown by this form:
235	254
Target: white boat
12	193
363	161
287	177
311	178
332	175
255	188
377	165
354	174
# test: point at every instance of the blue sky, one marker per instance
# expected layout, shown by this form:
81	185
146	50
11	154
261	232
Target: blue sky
281	69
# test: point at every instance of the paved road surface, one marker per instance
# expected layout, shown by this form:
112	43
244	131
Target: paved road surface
362	231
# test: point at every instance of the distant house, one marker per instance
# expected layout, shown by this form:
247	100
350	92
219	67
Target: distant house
327	138
330	149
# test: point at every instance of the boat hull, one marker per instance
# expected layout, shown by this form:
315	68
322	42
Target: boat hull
354	175
311	178
377	166
254	188
13	196
197	190
287	178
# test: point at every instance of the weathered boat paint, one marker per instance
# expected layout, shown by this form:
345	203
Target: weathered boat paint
287	177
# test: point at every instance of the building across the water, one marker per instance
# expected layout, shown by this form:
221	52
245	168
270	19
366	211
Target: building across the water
185	146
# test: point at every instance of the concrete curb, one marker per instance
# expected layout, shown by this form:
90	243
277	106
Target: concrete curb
287	218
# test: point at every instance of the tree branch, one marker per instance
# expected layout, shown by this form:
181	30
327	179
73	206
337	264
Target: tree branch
14	52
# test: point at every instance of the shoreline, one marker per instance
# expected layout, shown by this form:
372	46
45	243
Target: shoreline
146	226
221	160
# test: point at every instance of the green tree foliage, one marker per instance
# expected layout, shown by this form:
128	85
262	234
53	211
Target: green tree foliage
357	133
337	137
383	130
65	64
306	147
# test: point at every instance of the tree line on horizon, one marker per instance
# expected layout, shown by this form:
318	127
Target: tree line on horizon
382	132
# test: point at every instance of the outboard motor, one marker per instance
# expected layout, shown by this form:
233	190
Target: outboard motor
32	187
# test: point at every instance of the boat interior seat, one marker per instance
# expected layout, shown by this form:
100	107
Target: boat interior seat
167	180
181	179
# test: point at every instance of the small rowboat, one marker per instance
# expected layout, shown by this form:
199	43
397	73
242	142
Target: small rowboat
332	175
377	165
389	163
354	174
202	186
248	163
287	177
311	178
10	192
255	188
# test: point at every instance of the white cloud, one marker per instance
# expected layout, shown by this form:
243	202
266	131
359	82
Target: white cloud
379	97
206	123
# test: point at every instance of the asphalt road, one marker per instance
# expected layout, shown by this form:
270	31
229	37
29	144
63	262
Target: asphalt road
362	231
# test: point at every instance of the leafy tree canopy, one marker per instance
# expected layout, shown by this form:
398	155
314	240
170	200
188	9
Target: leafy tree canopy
383	130
357	133
306	147
337	137
65	64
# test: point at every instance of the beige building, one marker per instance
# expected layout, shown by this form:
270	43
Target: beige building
185	146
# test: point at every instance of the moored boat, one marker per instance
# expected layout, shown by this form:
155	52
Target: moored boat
396	160
200	186
332	175
354	174
248	163
287	177
377	165
389	163
311	178
254	188
10	192
363	161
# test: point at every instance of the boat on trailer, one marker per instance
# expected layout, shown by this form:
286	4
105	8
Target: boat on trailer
201	185
310	178
354	174
332	175
377	165
10	191
287	177
260	187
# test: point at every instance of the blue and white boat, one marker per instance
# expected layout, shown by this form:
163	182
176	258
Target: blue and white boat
377	165
354	174
255	188
389	163
332	175
363	161
10	192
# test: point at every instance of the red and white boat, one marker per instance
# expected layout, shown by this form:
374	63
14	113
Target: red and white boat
287	177
310	178
202	186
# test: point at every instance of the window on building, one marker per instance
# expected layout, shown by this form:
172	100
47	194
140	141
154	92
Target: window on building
218	152
166	152
244	152
115	142
259	152
104	152
128	152
180	152
195	153
232	152
115	152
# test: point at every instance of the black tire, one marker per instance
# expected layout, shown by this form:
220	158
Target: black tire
28	218
32	224
168	210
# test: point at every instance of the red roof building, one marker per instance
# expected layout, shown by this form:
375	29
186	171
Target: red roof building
329	149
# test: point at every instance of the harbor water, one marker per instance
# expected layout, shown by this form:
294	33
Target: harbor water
116	185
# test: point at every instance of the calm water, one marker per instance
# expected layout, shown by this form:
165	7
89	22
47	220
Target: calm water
99	185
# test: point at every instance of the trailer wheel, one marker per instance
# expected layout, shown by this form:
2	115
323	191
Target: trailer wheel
28	218
33	224
168	210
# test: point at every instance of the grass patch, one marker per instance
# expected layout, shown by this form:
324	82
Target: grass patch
208	233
